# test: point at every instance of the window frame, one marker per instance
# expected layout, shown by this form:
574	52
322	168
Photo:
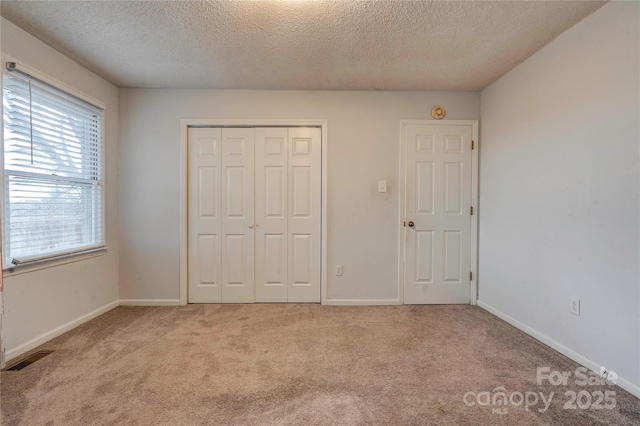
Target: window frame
69	253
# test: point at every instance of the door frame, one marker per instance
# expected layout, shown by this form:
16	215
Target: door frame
402	196
185	123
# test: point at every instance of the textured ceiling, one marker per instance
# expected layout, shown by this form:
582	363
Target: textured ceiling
321	45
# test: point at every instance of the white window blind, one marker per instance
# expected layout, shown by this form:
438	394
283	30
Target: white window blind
53	177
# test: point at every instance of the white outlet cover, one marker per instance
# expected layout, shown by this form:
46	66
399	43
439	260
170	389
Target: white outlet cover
574	306
382	186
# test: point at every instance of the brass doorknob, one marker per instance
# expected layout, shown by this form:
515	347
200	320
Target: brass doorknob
410	224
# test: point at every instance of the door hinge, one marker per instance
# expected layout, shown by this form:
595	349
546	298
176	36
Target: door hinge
470	276
404	224
472	145
471	210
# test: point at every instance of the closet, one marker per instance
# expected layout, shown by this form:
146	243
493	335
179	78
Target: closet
254	214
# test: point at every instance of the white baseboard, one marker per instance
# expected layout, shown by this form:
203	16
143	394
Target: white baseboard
149	302
625	384
43	338
362	302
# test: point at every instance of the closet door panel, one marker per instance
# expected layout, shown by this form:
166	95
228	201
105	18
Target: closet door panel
304	214
237	223
271	214
204	164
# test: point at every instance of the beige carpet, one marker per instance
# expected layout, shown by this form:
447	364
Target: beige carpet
299	365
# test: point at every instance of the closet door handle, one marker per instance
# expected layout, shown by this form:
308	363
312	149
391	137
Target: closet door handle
250	226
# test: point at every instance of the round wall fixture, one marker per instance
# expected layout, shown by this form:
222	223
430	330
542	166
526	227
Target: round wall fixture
437	112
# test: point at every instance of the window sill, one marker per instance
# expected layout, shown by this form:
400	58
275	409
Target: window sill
52	263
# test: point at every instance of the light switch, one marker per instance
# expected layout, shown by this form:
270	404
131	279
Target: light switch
382	186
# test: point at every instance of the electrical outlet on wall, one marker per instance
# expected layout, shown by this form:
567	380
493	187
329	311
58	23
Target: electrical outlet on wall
338	270
574	306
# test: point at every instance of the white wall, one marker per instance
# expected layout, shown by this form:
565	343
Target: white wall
40	302
559	192
363	147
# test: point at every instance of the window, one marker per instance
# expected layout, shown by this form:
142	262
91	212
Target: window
53	179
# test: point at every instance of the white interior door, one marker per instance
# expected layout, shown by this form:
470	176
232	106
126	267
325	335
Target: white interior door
237	222
254	215
438	217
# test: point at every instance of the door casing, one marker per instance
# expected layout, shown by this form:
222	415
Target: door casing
185	123
474	202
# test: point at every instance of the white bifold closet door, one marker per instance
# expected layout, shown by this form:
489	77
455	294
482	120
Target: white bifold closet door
254	215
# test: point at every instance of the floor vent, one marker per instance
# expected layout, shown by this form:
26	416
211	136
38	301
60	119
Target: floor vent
28	361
